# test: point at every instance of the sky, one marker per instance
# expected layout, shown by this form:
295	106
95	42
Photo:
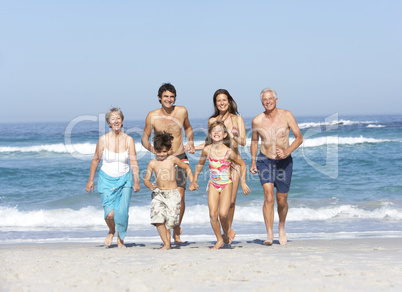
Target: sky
61	59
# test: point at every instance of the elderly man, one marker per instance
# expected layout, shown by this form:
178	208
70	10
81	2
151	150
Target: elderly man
274	164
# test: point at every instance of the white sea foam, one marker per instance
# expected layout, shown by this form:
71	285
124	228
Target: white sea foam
86	150
334	123
375	126
91	217
77	148
334	140
383	212
83	148
329	140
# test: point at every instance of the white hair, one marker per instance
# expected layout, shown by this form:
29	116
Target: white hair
114	110
268	90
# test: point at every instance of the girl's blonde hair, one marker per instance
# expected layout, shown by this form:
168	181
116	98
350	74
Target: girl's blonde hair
226	140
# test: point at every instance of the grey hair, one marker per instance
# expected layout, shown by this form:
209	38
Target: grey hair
114	110
268	90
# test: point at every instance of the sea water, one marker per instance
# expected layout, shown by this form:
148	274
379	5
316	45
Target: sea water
347	182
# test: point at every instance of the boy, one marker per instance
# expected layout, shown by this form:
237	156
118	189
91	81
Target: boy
165	206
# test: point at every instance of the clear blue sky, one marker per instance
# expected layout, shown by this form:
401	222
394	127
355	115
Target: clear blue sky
61	59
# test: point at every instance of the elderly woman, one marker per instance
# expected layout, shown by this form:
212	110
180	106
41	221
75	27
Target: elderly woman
226	111
115	181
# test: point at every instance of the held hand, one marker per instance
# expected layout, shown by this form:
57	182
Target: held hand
90	187
245	188
153	186
136	187
253	168
281	153
190	147
193	186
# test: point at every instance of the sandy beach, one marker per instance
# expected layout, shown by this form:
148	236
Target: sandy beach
308	265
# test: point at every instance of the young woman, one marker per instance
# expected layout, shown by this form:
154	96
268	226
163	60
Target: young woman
226	111
220	157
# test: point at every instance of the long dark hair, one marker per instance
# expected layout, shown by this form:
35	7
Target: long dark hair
227	140
232	104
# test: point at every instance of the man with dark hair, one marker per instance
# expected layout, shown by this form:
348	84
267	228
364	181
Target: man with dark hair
172	119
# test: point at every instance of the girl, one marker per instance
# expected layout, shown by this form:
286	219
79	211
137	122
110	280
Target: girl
220	158
225	110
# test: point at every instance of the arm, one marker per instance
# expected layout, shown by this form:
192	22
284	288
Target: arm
94	164
132	154
147	178
199	168
241	138
186	167
254	147
188	130
199	147
298	137
147	133
243	171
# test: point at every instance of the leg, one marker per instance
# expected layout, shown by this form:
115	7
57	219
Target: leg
235	186
268	211
282	202
163	234
120	242
177	229
168	236
112	228
224	206
213	204
121	215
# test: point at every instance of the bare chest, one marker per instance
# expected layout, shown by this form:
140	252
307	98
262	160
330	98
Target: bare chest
273	130
169	124
116	145
164	171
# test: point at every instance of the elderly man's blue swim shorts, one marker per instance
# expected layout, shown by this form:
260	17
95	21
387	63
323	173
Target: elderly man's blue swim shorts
278	172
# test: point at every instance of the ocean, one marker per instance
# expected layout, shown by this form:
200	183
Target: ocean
347	183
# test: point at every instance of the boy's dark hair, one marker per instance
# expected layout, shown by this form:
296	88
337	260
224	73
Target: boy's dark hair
161	140
166	87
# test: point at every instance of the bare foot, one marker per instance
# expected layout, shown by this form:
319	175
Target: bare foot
176	235
269	241
218	245
231	235
165	247
282	236
120	243
225	238
109	239
270	238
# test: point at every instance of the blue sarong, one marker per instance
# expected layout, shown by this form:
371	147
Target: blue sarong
115	194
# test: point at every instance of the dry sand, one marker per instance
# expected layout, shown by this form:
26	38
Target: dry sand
301	265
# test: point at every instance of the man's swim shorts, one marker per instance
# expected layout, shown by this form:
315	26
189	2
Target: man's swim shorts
181	174
278	172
